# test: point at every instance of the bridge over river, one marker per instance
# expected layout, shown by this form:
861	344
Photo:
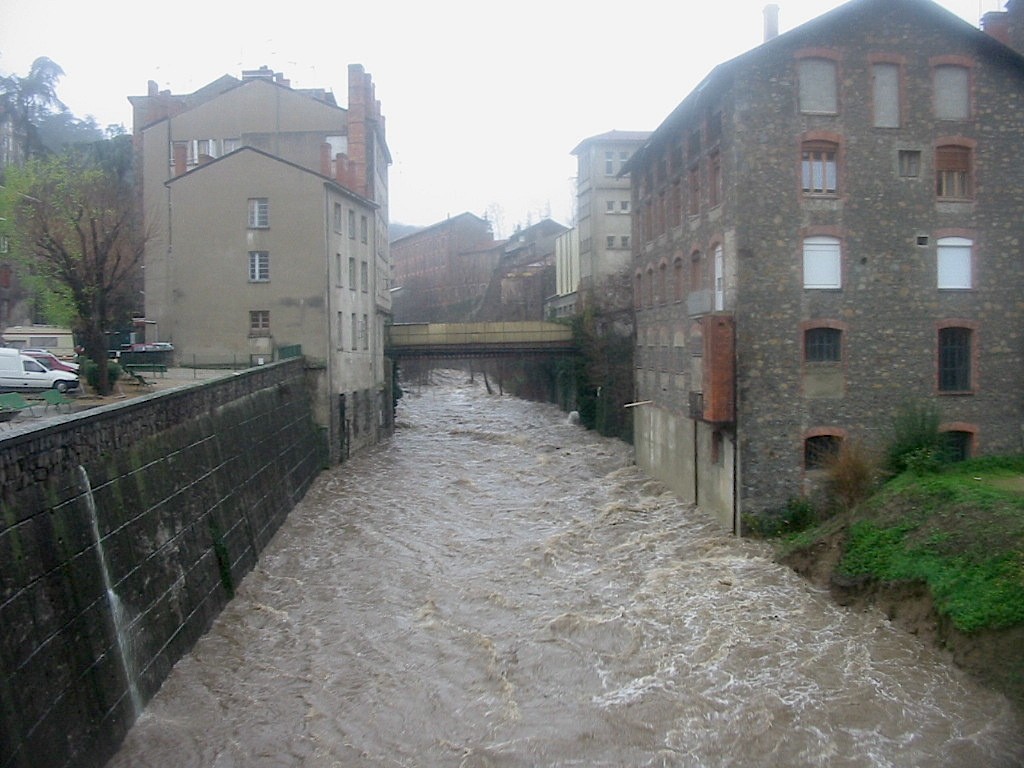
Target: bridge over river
498	587
462	340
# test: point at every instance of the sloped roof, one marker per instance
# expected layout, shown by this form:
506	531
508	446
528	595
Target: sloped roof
610	136
807	33
236	153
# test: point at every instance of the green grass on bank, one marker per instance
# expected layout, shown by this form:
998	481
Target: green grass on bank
960	530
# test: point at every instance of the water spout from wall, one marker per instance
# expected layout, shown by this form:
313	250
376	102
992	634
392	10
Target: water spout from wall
119	617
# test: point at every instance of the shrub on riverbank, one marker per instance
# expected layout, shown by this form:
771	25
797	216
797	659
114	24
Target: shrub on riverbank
954	534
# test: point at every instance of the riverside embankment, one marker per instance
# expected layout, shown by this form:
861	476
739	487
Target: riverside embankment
497	587
126	527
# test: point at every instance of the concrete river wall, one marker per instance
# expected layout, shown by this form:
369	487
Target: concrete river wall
123	532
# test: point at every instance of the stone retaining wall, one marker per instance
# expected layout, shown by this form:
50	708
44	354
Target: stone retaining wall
183	489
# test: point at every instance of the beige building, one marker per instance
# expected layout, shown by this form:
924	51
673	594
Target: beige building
603	207
266	213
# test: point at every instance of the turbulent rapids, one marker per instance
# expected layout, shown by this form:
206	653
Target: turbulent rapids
499	587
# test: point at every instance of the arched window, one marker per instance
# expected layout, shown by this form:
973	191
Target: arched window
819	450
953	257
823	345
822	263
678	279
818	170
953	174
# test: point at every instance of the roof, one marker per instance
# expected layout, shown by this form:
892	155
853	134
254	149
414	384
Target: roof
634	137
236	153
438	225
807	34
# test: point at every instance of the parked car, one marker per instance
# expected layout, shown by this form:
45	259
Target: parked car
150	346
21	372
51	361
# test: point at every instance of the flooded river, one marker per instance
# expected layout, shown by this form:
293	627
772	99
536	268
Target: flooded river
497	587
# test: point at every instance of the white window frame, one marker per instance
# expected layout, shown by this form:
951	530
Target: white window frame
954	263
259	266
823	263
259	213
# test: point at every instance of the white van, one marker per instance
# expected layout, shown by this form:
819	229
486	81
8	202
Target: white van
21	372
59	341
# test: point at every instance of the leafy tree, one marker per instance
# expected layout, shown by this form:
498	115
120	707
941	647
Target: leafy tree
28	100
77	234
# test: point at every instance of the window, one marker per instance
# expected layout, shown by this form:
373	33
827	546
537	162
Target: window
609	206
624	206
822	345
955	359
352	273
364	332
715	179
822	263
693	202
337	270
351	224
886	85
610	241
818	86
609	163
624	241
259	322
337	217
953	172
355	332
952	92
820	449
909	162
818	167
259	266
362	229
696	271
364	277
678	278
958	445
954	263
259	212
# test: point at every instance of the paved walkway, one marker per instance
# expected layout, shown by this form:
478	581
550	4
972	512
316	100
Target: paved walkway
86	399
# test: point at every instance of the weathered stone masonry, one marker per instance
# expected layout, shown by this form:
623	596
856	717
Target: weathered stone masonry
189	486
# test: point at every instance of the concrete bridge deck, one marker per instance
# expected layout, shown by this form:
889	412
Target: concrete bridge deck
406	340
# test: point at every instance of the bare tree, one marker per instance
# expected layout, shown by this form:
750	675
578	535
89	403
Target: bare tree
78	236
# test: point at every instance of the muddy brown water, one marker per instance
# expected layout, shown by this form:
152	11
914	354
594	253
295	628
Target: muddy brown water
497	587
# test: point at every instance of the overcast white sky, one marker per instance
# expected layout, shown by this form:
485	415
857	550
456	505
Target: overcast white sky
484	100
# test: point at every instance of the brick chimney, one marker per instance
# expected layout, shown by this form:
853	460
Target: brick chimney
363	119
1007	26
771	22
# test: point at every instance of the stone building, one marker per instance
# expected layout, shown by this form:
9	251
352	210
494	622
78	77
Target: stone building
827	227
266	211
442	271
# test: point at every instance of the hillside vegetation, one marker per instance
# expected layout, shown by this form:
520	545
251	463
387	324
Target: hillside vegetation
941	550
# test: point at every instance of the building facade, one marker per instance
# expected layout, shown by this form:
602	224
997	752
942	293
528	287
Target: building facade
827	228
442	271
265	209
604	209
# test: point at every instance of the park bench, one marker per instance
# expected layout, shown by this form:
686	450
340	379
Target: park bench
146	368
15	403
56	399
